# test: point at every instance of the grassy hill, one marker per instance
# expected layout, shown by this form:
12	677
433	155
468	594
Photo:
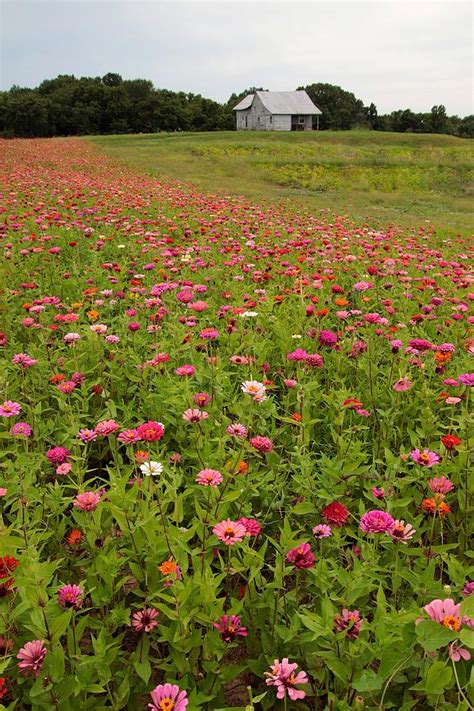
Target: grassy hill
371	176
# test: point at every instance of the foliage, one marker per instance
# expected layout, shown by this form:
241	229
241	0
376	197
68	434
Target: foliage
308	363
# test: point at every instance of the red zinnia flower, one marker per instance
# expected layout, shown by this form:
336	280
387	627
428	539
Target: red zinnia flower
450	441
7	566
335	514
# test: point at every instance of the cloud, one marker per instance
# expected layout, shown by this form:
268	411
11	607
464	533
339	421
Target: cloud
395	53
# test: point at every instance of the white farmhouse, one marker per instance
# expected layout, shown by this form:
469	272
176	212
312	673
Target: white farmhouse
276	111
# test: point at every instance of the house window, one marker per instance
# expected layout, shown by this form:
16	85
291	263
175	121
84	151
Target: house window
271	119
301	119
246	122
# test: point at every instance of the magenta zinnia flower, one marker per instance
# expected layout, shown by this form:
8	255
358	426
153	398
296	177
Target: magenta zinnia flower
31	657
145	620
229	532
57	455
70	596
425	458
229	628
209	477
261	444
151	431
168	697
301	557
282	675
440	485
376	521
21	429
252	526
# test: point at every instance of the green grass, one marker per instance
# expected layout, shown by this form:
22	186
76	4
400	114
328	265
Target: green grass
372	177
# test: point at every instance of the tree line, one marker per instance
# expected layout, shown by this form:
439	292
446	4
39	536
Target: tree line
70	106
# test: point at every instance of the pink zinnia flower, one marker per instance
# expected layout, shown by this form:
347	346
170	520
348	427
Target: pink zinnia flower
299	355
87	501
378	493
151	431
106	428
86	435
57	455
195	415
236	430
456	653
21	429
229	532
129	436
440	485
31	657
301	557
447	613
145	620
209	334
322	530
290	383
425	458
282	675
10	409
24	360
70	596
168	697
328	338
63	469
185	370
466	379
349	622
401	532
209	477
229	628
262	444
252	526
468	589
376	521
314	360
403	384
202	399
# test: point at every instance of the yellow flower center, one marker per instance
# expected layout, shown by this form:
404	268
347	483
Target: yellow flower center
229	532
451	622
166	704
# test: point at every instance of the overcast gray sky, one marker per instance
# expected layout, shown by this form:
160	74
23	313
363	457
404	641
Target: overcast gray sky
395	53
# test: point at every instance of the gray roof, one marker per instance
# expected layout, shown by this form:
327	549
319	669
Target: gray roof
281	102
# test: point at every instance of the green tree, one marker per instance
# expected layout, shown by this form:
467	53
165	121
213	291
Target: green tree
340	108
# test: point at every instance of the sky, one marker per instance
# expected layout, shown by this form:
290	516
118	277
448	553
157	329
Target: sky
396	53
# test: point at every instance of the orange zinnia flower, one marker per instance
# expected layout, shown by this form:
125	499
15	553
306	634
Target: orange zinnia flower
167	567
93	315
75	537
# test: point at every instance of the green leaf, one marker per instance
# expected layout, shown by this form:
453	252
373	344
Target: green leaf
432	635
143	669
60	625
467	606
438	677
467	638
367	681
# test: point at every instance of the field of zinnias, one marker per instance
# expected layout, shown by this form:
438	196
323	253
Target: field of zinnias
235	450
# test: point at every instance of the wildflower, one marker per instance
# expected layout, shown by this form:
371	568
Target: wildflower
401	532
466	379
299	355
229	532
86	435
58	455
425	458
209	334
251	525
21	429
66	387
403	385
254	388
185	370
23	360
71	338
282	675
378	493
447	613
129	436
335	514
322	530
209	477
63	469
301	557
468	588
3	688
349	622
31	657
236	430
290	383
151	468
145	620
106	428
202	399
151	431
74	538
314	360
328	338
435	506
3	491
440	485
420	345
167	568
262	444
450	441
195	415
456	653
7	566
87	501
10	409
229	628
168	697
71	596
376	521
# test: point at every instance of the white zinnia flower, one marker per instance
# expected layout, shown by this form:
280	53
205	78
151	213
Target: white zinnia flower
151	468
